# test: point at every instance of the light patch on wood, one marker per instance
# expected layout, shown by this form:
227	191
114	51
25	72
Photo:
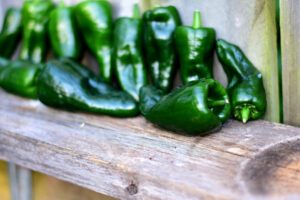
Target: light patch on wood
98	160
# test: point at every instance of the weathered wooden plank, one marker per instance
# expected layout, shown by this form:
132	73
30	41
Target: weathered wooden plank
132	159
290	47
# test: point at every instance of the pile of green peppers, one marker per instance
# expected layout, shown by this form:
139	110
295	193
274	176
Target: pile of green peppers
126	51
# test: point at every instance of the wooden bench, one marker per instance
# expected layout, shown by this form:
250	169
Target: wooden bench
132	159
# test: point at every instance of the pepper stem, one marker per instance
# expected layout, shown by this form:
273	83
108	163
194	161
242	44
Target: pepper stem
197	19
136	11
61	3
245	113
215	103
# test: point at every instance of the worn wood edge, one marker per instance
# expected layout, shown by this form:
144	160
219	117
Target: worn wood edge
248	162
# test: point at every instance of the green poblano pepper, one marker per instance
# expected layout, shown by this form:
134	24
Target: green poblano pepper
20	77
11	32
64	34
195	108
95	21
159	26
128	56
195	47
68	85
35	17
245	83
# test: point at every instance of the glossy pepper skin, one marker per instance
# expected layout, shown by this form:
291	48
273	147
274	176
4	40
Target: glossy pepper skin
35	17
127	54
95	21
68	85
194	109
11	32
64	33
20	77
3	63
159	26
195	46
245	83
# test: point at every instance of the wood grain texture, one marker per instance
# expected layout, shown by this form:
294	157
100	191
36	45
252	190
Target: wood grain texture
290	47
132	159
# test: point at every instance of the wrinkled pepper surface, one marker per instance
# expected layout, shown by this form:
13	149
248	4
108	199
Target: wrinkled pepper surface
245	83
159	26
64	34
195	47
11	32
20	77
68	85
195	108
35	17
95	21
127	54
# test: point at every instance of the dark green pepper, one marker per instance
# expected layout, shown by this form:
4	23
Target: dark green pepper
11	32
68	85
159	26
245	83
195	108
127	54
63	33
35	16
95	20
19	77
195	47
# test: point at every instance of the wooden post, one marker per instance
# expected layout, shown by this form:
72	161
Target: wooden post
20	182
290	47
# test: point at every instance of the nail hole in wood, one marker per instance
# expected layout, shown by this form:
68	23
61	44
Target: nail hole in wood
132	189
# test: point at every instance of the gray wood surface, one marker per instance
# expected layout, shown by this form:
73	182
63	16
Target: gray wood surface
290	47
132	159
